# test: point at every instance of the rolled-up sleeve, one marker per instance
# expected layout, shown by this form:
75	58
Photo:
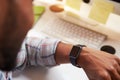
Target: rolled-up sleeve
41	51
37	52
34	52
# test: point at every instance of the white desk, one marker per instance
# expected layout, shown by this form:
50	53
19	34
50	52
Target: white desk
62	72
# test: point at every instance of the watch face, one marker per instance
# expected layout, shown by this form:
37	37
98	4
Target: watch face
75	51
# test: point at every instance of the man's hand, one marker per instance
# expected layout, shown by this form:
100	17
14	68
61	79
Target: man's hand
99	65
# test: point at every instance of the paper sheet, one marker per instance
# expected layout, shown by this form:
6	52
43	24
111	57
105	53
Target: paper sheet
101	10
114	22
75	4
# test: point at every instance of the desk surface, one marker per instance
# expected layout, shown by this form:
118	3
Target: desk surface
61	72
110	29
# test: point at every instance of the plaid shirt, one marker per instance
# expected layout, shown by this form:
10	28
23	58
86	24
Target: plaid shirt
34	52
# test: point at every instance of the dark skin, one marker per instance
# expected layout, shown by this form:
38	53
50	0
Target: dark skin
16	18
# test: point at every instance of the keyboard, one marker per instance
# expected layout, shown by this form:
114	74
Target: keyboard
53	26
68	32
72	33
49	25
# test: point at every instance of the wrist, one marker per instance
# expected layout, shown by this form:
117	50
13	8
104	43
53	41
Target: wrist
75	53
62	53
83	57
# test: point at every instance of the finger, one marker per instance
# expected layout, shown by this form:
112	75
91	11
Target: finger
116	66
104	76
118	69
117	59
115	75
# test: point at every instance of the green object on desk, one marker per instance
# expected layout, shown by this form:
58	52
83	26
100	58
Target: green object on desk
36	17
38	11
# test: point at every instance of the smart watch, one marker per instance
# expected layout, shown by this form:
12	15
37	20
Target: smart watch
74	54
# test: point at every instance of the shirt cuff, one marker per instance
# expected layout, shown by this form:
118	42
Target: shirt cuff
42	51
48	52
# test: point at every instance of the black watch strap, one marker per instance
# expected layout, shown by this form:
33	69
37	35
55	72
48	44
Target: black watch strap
74	54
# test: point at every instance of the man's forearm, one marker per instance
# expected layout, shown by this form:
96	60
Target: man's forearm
62	53
98	65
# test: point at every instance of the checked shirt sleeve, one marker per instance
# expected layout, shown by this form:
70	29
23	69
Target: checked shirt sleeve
34	52
37	52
